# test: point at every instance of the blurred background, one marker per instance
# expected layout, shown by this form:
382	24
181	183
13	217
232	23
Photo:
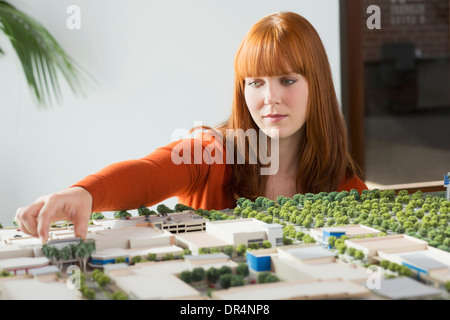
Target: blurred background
404	66
158	66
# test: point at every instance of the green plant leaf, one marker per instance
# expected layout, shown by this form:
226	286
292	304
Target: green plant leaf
42	58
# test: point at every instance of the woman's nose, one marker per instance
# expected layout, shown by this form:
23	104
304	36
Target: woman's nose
272	95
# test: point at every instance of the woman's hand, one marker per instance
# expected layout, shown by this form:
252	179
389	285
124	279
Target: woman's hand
74	204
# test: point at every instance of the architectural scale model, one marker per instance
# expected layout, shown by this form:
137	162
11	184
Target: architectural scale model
346	245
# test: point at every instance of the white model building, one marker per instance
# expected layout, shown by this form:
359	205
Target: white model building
388	244
130	242
178	222
159	280
22	264
295	290
303	262
233	232
321	235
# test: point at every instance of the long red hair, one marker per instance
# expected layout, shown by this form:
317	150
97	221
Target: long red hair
275	45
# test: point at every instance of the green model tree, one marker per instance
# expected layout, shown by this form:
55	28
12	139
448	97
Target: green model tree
266	277
119	295
237	280
163	209
241	249
212	275
97	216
122	214
143	211
186	276
120	260
242	269
136	259
225	280
198	274
179	207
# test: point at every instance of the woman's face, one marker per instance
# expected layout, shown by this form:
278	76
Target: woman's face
278	103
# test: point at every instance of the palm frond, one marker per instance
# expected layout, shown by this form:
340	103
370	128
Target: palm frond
42	58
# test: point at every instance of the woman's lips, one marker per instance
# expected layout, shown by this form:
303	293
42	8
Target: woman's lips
274	117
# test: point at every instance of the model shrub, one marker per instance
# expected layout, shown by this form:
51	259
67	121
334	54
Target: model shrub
186	276
385	264
225	280
122	214
212	275
225	270
198	274
120	260
103	280
241	249
118	295
237	280
136	259
242	269
97	216
266	277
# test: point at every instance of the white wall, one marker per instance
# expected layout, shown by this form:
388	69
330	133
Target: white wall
160	65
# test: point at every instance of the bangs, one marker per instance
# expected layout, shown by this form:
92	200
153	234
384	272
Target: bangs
269	52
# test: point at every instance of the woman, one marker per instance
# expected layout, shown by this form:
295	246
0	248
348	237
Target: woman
283	88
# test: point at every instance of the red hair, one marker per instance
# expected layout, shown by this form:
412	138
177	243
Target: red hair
278	44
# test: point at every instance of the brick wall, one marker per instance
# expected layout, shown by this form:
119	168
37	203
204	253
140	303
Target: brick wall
423	22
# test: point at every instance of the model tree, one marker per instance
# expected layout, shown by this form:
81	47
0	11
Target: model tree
242	269
143	211
225	270
120	260
266	244
118	295
212	275
97	216
225	280
241	249
266	277
237	280
179	207
163	209
240	201
122	214
136	259
198	274
186	276
229	250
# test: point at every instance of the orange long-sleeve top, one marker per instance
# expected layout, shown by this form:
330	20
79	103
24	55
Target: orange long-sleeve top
187	169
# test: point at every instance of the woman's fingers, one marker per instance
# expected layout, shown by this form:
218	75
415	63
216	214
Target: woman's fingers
26	218
73	204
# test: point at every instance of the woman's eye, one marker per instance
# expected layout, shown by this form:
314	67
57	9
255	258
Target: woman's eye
287	82
255	84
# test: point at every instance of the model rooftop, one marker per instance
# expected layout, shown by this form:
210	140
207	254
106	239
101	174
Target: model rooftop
330	289
242	225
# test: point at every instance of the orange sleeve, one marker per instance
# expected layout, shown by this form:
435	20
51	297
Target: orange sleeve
353	183
147	181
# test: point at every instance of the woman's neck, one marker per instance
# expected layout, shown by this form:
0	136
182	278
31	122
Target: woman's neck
289	155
